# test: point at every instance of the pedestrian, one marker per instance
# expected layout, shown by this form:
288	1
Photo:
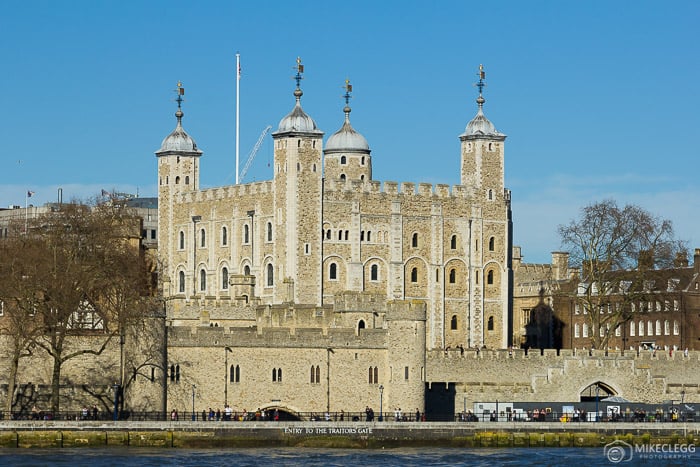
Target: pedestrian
94	412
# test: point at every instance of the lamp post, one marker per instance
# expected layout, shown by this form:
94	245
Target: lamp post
329	351
194	416
226	374
597	393
381	403
116	400
195	219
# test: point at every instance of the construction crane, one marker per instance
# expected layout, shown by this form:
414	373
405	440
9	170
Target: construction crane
253	152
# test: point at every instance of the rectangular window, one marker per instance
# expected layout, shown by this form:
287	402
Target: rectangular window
153	234
405	373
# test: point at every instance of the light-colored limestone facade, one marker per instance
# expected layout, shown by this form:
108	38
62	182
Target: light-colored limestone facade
324	266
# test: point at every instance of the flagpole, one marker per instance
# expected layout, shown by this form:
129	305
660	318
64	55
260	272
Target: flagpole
238	85
26	211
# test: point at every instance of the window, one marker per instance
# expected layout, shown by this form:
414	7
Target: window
489	325
333	272
585	329
246	234
203	242
676	328
490	195
202	280
362	236
270	275
246	270
453	323
650	328
182	240
177	180
277	375
658	327
224	236
453	242
343	160
153	234
577	330
414	275
370	374
362	161
340	235
453	276
269	231
369	235
667	328
414	240
328	234
224	278
342	177
181	282
641	328
315	374
405	373
633	328
489	277
374	272
492	243
187	180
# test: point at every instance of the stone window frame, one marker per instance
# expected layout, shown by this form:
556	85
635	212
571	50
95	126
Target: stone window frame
333	271
181	242
224	277
224	235
182	282
269	234
454	323
374	272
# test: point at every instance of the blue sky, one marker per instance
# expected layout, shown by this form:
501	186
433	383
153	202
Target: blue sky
599	99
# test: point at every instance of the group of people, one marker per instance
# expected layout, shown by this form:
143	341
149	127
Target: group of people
228	415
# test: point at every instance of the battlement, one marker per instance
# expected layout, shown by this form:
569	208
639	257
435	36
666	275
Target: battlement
276	337
224	192
395	188
562	355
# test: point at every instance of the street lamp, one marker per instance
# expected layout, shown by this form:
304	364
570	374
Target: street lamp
226	375
381	403
195	219
194	416
597	393
329	351
116	400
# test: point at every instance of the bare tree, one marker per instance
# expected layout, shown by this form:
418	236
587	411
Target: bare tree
92	284
619	252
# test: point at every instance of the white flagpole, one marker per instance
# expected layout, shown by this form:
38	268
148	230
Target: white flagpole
238	81
26	211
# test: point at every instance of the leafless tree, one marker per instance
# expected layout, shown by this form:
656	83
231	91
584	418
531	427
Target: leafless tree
619	251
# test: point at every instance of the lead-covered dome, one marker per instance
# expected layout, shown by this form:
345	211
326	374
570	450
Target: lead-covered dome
480	125
297	121
347	139
179	141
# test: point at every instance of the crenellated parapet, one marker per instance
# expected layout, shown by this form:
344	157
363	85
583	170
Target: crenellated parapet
438	191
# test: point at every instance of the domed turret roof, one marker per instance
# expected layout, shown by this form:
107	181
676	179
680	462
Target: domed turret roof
297	120
347	139
481	126
179	140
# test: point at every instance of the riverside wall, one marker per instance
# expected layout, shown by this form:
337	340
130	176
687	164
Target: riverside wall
339	434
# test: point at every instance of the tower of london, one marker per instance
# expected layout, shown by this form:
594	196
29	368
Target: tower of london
323	258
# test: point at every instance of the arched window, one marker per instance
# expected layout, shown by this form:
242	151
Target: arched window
270	275
369	235
453	323
633	329
374	272
414	240
224	278
202	280
585	329
489	277
667	328
492	243
187	180
342	177
340	235
658	327
650	328
360	325
676	328
489	325
318	374
182	240
246	234
177	180
181	282
232	374
274	374
246	270
453	276
370	374
347	235
490	195
376	375
343	160
203	242
453	242
328	234
414	275
269	231
577	330
641	328
238	374
313	374
333	271
224	236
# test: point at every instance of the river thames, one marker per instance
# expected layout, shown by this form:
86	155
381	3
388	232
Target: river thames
307	457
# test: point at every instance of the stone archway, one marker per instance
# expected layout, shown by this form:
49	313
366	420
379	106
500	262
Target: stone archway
284	413
596	391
